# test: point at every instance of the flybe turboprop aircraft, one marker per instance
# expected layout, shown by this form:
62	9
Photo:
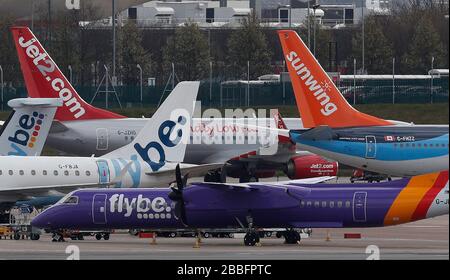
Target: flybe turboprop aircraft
27	128
255	205
340	132
147	161
84	130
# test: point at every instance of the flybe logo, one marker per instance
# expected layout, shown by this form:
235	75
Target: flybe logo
46	66
27	134
146	208
164	134
315	88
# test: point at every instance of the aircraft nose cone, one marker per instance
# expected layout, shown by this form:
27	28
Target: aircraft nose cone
40	221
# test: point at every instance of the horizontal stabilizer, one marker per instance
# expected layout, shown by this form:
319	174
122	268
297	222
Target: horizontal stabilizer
190	170
318	133
35	102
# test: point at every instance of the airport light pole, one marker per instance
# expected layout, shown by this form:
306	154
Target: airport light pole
393	80
113	19
354	81
315	7
93	73
32	15
432	76
140	79
1	83
362	27
210	82
248	83
70	74
309	26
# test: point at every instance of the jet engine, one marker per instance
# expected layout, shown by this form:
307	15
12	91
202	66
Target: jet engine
309	166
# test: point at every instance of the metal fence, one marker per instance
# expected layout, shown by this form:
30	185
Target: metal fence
242	94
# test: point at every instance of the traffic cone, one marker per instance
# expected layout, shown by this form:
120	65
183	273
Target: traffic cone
153	239
197	242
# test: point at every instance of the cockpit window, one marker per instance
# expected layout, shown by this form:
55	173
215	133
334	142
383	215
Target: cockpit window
71	200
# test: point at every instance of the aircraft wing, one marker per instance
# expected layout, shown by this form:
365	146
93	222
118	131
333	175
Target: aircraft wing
259	185
191	170
33	191
57	127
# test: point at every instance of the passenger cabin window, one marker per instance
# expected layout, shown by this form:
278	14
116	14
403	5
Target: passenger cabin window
71	200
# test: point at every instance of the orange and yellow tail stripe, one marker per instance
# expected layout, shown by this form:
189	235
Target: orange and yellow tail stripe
415	199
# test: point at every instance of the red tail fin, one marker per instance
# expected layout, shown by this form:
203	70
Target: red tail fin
318	100
44	80
279	121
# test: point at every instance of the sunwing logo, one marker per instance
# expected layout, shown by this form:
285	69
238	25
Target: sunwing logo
27	134
46	66
315	88
164	132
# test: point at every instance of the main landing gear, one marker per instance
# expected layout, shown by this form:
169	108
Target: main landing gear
251	238
292	236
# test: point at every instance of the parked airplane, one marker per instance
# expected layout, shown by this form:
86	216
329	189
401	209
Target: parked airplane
287	205
84	130
149	160
27	127
353	138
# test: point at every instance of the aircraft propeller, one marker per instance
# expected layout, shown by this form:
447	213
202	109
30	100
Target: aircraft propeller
176	195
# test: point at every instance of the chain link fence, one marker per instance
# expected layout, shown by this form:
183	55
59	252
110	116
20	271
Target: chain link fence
231	94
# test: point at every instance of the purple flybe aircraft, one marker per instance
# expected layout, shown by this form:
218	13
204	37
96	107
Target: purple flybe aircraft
287	205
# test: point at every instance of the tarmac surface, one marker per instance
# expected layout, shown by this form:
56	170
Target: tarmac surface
426	239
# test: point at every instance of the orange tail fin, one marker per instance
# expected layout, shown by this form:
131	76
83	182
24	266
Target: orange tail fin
44	80
318	99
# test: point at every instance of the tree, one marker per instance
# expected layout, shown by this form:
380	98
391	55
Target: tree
249	43
425	45
188	49
130	53
8	54
377	48
65	47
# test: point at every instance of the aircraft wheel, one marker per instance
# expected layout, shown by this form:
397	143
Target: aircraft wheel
292	237
98	236
251	238
34	236
106	236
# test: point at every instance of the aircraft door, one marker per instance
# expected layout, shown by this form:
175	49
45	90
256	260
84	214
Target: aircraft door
102	139
103	171
360	207
371	147
99	209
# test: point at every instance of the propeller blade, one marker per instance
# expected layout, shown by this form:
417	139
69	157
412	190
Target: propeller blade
179	177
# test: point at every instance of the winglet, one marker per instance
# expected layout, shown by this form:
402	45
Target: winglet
318	99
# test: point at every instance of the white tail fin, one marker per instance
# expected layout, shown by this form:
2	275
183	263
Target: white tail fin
27	128
165	136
